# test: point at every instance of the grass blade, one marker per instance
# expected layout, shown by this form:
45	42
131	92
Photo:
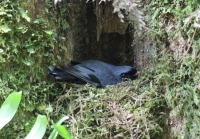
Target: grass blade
39	128
9	108
62	131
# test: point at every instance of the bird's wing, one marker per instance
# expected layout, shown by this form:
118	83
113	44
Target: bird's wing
58	73
84	73
102	70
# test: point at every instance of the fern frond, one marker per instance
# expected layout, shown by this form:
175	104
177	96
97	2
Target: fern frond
132	11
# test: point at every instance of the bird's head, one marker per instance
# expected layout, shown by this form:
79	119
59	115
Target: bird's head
130	74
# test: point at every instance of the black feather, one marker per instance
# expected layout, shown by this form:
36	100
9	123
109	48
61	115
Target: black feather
94	72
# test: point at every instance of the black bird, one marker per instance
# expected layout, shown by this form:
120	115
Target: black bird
94	72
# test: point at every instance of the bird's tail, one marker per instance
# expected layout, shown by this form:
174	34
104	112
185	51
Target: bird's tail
60	74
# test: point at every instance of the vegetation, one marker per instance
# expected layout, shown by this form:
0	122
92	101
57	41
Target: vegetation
178	73
26	47
166	96
125	110
9	109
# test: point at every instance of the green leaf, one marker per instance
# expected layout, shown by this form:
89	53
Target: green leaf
22	28
31	50
24	15
36	21
196	99
28	63
4	28
2	13
49	32
62	120
39	128
9	108
62	131
59	58
54	133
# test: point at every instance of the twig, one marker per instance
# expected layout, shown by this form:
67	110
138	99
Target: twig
190	43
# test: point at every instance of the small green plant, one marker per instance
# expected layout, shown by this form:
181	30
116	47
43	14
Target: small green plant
9	108
60	129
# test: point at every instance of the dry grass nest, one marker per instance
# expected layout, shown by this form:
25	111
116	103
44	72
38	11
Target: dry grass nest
133	109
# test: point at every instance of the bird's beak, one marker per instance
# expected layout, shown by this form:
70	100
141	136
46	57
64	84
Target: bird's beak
137	73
